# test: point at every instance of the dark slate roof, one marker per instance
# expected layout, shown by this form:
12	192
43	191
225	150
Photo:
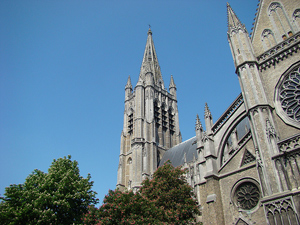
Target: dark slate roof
176	153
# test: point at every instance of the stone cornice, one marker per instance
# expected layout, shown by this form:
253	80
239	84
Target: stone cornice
254	108
279	196
289	144
126	154
251	165
243	65
137	141
279	52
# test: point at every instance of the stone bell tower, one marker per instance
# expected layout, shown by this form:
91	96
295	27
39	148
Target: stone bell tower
151	124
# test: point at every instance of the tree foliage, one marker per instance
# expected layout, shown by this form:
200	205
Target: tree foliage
165	199
171	195
125	208
60	196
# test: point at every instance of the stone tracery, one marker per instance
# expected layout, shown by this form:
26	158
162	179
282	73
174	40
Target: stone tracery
247	195
289	94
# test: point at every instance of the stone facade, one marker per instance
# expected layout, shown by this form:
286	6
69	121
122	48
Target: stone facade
245	167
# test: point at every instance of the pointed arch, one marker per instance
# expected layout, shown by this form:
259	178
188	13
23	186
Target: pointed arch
273	7
128	173
281	211
296	18
268	39
270	218
280	21
237	133
130	120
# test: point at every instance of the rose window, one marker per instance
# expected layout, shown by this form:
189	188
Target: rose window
247	195
289	94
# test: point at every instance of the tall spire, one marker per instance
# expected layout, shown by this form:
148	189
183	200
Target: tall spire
150	62
233	20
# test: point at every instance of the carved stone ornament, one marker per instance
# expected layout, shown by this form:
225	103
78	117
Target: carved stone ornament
296	14
282	210
287	99
266	33
273	7
247	195
247	158
290	94
258	159
270	130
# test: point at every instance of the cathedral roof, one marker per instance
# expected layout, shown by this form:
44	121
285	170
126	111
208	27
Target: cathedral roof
150	62
181	153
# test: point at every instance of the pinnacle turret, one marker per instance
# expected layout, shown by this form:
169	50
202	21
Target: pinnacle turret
199	132
198	124
238	38
172	87
233	20
207	113
128	84
128	88
208	119
172	83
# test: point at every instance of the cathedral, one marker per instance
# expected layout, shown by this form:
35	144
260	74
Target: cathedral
244	167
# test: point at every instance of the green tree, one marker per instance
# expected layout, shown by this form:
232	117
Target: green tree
60	196
171	195
165	199
126	208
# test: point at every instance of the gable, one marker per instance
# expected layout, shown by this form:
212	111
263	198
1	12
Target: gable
275	21
242	157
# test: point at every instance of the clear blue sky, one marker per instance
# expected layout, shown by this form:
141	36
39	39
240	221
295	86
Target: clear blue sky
64	65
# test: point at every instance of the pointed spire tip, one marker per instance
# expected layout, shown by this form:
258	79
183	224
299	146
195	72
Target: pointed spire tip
128	84
172	83
149	31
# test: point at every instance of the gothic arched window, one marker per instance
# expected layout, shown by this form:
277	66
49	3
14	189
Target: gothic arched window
282	211
280	22
233	139
268	39
130	122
